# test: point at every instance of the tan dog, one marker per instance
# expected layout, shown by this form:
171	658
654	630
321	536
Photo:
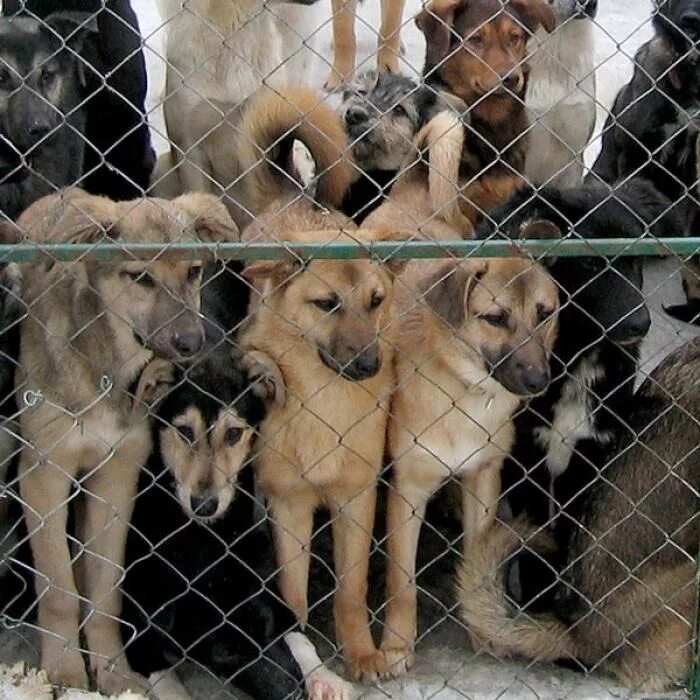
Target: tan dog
471	340
321	323
345	42
91	329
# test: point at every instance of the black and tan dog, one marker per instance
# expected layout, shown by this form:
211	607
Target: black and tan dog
82	346
471	341
626	602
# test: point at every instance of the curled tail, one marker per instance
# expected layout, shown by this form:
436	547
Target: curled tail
492	620
272	123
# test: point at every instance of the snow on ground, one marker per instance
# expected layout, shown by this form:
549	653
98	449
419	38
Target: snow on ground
445	669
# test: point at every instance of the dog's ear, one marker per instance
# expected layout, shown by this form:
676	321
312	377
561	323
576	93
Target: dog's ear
395	265
535	14
447	291
265	376
279	272
541	229
436	21
9	233
210	219
72	27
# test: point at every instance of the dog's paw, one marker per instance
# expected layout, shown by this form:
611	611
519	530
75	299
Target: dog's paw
115	679
366	668
323	684
398	660
71	672
387	60
333	82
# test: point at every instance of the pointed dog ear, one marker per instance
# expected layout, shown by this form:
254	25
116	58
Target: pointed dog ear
395	265
447	291
436	21
265	376
73	27
279	272
540	229
535	14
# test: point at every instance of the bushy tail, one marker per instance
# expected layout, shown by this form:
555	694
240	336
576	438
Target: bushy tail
271	124
443	138
493	622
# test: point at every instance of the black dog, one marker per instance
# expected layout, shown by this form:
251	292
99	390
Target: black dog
42	83
652	129
200	561
564	435
118	158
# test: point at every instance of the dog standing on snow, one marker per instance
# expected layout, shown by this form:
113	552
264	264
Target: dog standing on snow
561	96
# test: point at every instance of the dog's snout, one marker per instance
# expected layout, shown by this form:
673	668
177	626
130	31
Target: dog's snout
365	365
38	128
536	378
204	507
690	23
588	8
188	344
354	116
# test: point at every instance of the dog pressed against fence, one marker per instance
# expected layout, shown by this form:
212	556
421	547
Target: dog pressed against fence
333	376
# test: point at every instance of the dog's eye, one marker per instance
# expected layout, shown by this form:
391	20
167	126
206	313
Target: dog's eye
186	433
399	111
5	78
328	305
475	41
516	39
140	277
376	301
47	77
233	435
496	320
193	273
543	314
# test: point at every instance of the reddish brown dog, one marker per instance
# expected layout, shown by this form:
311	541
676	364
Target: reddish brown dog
477	50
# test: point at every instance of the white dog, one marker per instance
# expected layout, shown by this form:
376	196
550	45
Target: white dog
561	96
220	52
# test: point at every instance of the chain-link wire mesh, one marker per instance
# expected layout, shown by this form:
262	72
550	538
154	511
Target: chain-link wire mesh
349	350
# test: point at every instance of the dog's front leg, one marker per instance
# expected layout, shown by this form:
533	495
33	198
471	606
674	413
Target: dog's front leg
45	490
353	521
481	492
344	42
390	35
110	501
408	497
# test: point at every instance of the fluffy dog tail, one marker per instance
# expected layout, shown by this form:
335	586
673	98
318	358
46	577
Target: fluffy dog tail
271	125
443	138
492	620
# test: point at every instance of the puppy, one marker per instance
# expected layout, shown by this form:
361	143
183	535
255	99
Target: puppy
626	601
472	340
81	348
345	43
563	434
42	115
382	113
561	96
216	63
653	125
199	563
118	157
477	51
321	323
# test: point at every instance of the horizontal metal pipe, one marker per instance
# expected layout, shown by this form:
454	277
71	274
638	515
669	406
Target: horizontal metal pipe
568	247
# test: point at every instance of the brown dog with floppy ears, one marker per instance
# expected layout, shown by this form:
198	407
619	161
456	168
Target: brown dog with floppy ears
471	340
321	323
477	50
91	329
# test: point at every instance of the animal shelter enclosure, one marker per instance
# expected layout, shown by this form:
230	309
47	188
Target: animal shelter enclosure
349	350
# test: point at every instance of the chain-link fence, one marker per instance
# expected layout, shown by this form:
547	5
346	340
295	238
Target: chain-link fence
349	351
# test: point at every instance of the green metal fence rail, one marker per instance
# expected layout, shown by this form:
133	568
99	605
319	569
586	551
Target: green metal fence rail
565	247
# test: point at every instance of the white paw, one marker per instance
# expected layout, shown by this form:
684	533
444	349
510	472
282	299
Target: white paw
323	684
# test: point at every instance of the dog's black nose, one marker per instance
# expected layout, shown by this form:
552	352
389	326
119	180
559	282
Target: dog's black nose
37	129
589	8
512	82
188	344
355	116
204	507
536	379
365	365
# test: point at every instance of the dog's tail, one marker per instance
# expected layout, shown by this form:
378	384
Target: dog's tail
272	124
443	139
493	622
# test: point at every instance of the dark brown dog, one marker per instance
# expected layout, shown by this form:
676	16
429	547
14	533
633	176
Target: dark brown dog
477	50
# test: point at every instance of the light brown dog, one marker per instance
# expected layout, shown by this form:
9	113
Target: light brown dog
345	42
321	323
91	328
471	340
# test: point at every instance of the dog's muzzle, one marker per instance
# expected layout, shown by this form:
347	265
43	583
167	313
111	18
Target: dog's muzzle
363	366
